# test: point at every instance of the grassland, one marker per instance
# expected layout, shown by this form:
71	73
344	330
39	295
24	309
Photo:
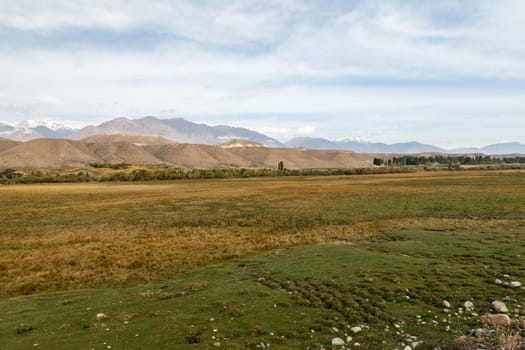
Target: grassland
173	261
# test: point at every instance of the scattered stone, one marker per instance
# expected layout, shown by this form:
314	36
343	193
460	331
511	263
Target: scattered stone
515	284
499	306
469	306
338	341
407	347
101	316
217	344
348	339
446	304
496	320
356	329
498	281
480	332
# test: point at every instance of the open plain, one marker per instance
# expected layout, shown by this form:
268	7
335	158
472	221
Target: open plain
251	263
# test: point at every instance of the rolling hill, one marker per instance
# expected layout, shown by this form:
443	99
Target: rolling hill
153	150
47	154
5	144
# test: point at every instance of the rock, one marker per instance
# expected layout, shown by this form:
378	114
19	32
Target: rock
101	316
462	340
496	320
407	347
469	306
217	344
499	306
515	284
348	339
498	281
338	341
480	332
356	329
446	304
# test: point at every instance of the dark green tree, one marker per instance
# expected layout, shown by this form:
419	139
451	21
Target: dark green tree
378	161
280	166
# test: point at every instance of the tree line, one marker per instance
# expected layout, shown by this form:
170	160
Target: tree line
448	160
11	176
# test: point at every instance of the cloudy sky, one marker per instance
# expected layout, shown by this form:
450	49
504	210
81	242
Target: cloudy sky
447	72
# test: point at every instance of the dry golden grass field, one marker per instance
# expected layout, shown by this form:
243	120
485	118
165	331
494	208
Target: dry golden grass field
64	236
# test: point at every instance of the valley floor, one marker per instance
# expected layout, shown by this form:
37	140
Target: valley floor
247	263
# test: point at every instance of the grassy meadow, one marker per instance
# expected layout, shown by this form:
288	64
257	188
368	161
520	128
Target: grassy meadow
236	263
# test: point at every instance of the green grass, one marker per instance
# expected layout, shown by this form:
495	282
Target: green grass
291	298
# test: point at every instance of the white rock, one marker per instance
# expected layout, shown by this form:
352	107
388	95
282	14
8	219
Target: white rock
356	329
348	339
479	332
515	284
338	341
468	305
446	304
498	281
101	316
496	320
407	347
499	306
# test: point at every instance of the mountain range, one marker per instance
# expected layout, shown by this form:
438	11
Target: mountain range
184	131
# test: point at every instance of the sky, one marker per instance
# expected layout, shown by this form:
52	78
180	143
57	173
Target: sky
450	72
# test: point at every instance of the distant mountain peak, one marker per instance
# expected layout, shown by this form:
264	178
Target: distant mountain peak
175	129
33	124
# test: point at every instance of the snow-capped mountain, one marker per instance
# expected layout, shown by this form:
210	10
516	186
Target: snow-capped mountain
34	124
6	128
34	129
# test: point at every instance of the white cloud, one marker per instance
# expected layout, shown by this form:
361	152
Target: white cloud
404	66
306	130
